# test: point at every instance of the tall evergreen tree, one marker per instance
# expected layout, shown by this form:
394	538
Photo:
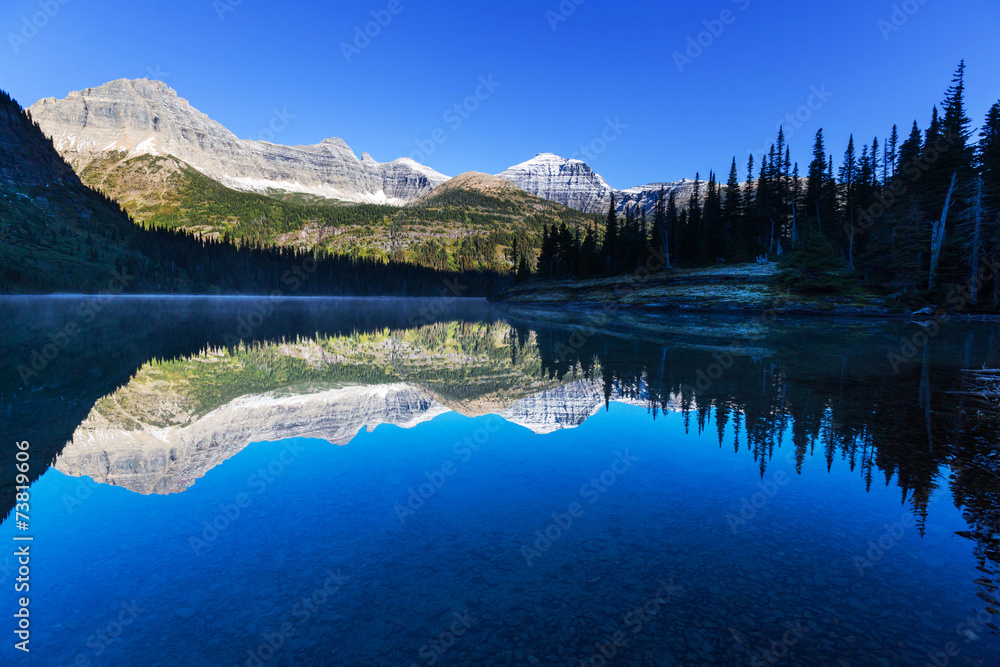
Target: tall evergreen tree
848	186
694	243
591	263
892	151
956	130
816	189
611	238
673	223
732	209
988	158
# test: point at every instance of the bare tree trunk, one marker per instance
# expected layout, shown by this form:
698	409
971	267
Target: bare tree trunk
974	280
937	234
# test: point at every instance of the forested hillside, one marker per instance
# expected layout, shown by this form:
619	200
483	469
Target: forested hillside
914	216
456	229
58	235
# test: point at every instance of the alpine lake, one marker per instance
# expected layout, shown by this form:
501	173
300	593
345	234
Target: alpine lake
247	482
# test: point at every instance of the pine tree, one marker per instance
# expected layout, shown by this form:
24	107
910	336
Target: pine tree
713	241
988	158
892	151
673	223
590	256
660	234
693	243
611	238
547	256
795	206
732	209
955	129
816	204
749	205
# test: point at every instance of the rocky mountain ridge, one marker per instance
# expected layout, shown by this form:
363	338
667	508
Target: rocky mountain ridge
152	458
125	118
143	117
575	184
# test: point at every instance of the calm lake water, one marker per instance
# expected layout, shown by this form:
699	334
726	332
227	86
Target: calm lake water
435	482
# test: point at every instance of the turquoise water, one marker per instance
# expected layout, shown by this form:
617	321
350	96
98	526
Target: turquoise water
327	560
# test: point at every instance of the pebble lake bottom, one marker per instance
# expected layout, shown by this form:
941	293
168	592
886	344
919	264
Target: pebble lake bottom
623	541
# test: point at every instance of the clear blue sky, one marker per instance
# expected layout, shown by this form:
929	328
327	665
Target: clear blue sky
557	86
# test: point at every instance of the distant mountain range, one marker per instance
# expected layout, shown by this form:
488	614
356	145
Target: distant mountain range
142	117
98	129
573	183
57	234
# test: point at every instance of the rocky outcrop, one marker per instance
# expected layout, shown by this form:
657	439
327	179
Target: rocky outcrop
573	183
151	459
567	406
570	182
475	181
143	117
156	459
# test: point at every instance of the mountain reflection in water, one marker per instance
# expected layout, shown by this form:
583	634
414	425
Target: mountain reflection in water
152	396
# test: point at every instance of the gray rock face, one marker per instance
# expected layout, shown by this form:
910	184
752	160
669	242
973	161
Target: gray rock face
570	182
152	459
164	460
142	117
573	183
567	406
